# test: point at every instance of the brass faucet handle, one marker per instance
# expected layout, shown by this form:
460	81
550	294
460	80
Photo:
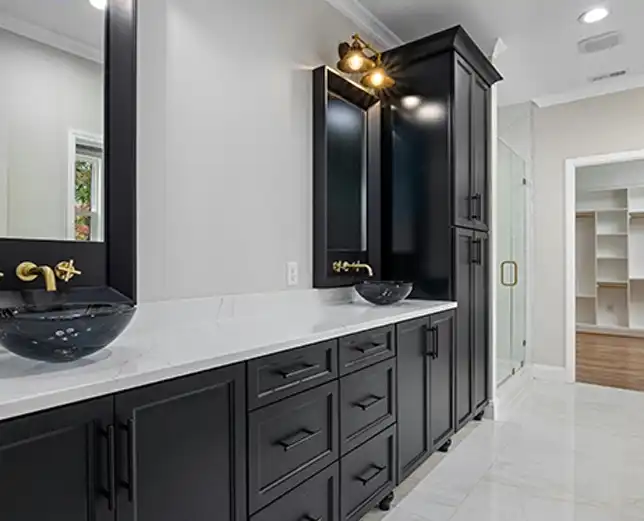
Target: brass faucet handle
66	270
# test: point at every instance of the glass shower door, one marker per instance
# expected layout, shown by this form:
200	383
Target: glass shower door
512	256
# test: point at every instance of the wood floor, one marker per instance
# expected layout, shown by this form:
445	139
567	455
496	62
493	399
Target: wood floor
610	360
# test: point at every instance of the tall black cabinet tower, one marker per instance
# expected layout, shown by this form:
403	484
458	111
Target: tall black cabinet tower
436	200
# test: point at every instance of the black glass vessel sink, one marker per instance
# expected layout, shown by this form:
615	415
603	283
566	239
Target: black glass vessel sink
384	293
62	332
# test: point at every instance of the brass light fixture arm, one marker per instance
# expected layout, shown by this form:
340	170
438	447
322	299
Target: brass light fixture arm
365	44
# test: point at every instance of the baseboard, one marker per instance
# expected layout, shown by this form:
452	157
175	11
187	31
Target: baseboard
509	394
550	373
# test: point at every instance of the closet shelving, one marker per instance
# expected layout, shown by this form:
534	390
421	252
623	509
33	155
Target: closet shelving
610	258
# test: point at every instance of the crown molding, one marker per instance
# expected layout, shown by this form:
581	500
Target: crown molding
615	85
51	38
367	22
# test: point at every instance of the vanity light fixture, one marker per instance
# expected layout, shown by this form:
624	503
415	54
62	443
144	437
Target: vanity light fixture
353	59
99	4
594	15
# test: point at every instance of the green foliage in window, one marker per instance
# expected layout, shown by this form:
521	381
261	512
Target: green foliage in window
83	185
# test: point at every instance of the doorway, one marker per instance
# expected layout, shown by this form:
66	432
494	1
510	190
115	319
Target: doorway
604	282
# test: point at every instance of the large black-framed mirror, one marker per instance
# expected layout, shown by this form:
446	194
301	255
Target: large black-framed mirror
68	142
346	178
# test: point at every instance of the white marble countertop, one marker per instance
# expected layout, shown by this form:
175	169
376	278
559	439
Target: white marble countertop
171	339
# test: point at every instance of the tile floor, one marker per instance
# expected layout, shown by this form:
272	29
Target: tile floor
565	453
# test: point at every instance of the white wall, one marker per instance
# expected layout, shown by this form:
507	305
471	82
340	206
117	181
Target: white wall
602	125
628	174
44	93
225	154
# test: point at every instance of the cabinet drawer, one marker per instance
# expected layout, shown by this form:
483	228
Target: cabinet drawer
367	403
274	377
314	500
367	475
290	441
364	349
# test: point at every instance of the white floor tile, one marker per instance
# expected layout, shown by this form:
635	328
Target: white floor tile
568	453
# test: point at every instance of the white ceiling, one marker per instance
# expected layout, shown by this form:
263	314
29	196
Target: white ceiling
73	25
541	36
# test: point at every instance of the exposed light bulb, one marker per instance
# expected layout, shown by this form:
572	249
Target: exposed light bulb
377	78
99	4
410	102
594	15
355	62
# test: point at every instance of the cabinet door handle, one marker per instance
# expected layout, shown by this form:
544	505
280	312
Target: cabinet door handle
369	402
431	332
477	251
311	518
130	484
111	468
298	370
370	475
301	436
370	347
476	206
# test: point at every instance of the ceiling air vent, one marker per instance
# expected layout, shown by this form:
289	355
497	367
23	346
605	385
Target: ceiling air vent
607	76
601	42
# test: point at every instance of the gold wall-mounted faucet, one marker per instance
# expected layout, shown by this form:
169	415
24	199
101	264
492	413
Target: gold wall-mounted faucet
345	266
28	272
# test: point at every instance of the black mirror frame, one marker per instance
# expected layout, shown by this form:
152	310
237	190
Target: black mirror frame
327	81
110	266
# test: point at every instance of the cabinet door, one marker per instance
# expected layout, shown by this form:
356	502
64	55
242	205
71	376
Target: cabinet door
480	148
480	321
414	441
442	377
463	189
181	448
463	281
55	465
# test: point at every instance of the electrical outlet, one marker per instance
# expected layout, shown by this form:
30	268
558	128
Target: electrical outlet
292	275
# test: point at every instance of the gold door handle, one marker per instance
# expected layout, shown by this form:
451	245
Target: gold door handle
515	274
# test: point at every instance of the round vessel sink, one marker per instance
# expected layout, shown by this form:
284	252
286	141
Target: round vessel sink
62	332
384	293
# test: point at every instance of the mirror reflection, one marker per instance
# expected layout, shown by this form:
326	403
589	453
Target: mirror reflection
347	175
51	119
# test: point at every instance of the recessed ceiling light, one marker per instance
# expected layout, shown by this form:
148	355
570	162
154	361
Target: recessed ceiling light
99	4
594	15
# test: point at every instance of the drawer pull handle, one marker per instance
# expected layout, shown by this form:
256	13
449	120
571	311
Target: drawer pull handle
311	518
369	348
302	436
298	370
371	474
369	402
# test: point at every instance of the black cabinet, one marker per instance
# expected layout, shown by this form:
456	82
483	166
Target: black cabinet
367	475
425	388
414	439
181	449
435	192
441	390
463	176
464	293
56	464
480	319
314	500
290	441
